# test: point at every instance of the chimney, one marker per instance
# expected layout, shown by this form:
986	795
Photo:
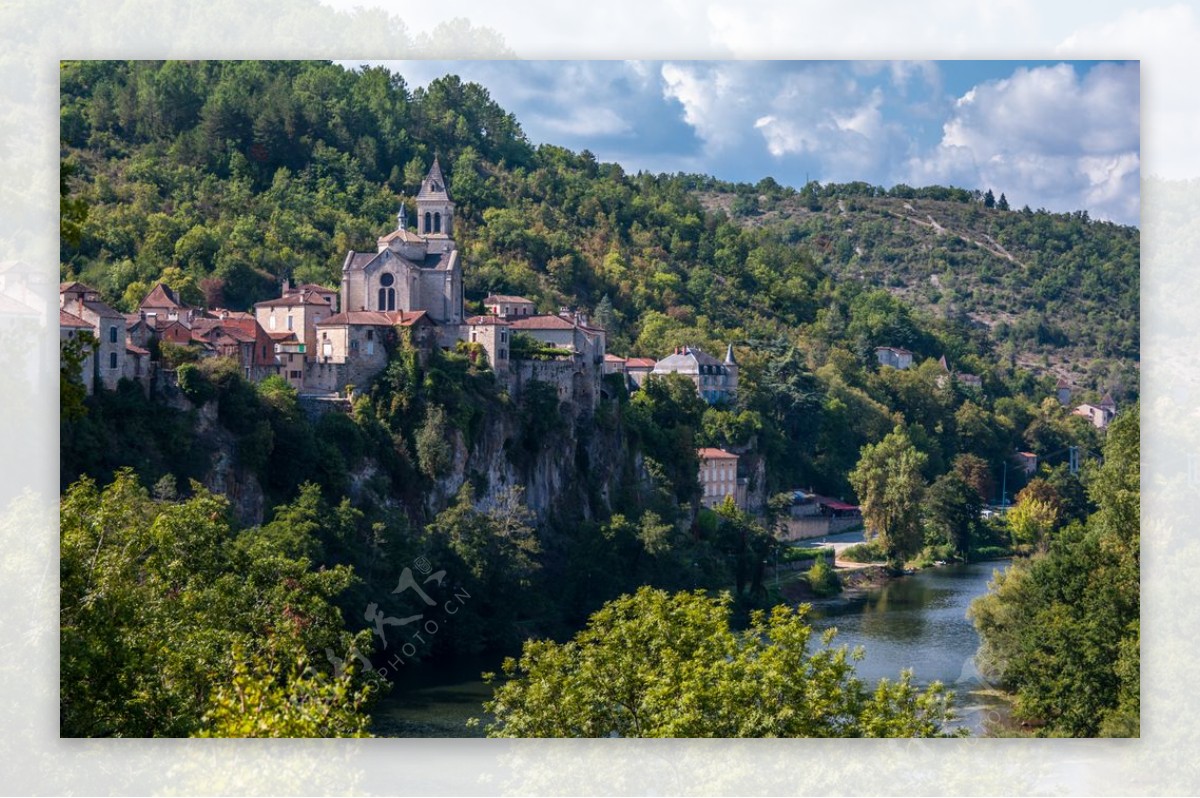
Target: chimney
285	287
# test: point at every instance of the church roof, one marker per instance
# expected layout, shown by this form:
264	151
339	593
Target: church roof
376	318
433	187
359	261
401	235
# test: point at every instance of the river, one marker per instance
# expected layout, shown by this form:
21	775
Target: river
916	621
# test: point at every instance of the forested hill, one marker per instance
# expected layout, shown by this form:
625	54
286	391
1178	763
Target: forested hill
220	178
1057	286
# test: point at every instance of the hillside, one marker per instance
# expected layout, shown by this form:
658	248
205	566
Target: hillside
1059	289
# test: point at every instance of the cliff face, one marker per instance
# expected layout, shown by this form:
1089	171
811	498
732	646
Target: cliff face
576	470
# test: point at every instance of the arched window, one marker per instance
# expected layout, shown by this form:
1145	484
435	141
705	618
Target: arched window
387	294
437	223
428	221
112	360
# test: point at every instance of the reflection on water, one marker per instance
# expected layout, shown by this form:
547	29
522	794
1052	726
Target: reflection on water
919	622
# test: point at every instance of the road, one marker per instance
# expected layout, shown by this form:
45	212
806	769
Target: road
838	543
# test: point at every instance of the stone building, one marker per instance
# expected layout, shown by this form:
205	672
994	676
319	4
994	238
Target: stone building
716	381
352	347
492	333
894	356
410	271
71	327
107	325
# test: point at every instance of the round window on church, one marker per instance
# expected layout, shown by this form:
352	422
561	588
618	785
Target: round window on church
386	279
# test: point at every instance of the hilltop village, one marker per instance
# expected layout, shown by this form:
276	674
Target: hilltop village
327	343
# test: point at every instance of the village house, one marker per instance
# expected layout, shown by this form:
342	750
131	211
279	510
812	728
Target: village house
638	368
492	333
71	327
507	307
894	356
1100	414
1027	462
718	476
716	381
108	326
963	378
353	346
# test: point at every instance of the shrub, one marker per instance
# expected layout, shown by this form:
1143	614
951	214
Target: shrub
822	578
194	384
865	552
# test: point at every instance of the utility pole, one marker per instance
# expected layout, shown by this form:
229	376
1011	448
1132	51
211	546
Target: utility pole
1004	486
1074	457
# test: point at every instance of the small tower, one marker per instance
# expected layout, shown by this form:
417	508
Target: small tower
401	217
731	371
435	209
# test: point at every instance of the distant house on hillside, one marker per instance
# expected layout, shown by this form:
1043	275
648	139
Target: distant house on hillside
1063	391
716	381
1098	415
1028	461
638	368
718	476
894	356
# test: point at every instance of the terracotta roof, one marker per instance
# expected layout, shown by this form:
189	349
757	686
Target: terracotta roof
494	298
74	286
70	320
640	362
161	296
137	350
280	337
611	358
102	310
542	323
488	320
710	453
292	300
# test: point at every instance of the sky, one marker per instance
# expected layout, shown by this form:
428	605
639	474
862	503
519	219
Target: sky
1060	135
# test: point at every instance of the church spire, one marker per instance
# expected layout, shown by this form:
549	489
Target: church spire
729	361
435	209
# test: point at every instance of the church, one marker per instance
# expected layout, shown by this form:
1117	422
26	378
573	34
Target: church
412	271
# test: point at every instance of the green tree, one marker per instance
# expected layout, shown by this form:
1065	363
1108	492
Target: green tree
891	490
1061	629
953	511
653	664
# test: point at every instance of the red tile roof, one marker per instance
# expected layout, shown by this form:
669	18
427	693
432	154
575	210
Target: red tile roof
376	318
542	323
709	453
640	363
161	296
69	320
137	350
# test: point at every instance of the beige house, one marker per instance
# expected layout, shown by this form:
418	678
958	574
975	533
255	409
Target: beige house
638	368
352	347
718	476
492	333
298	315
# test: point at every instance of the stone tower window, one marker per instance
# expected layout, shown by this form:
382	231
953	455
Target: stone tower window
437	223
428	222
387	294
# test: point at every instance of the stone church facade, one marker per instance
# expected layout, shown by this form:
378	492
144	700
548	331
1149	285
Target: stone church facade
412	271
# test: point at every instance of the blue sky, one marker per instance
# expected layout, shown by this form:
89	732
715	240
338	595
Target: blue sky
1063	135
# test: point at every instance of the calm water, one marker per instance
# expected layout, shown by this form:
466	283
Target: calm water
917	621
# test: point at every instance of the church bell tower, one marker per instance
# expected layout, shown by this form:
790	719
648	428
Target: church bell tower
435	209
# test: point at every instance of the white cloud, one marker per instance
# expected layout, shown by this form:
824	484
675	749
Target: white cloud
1047	137
1165	38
